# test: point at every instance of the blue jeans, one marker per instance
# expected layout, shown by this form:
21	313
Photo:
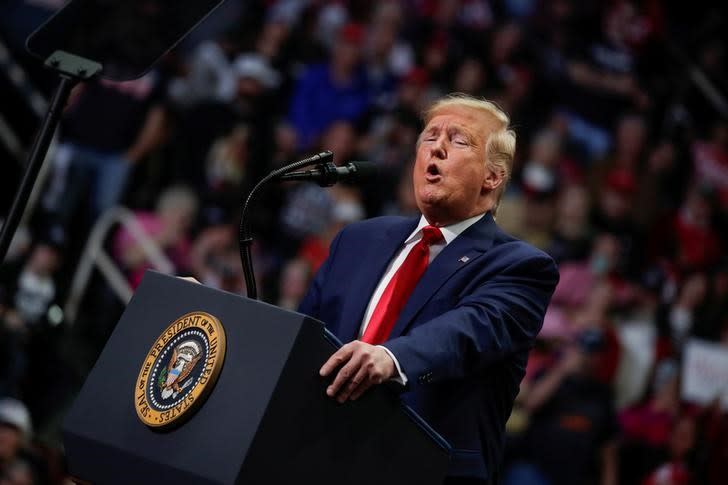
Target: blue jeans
594	140
81	174
524	473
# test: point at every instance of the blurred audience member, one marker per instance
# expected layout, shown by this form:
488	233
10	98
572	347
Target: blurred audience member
315	248
578	279
28	301
682	312
98	151
541	170
470	78
540	180
659	184
698	243
601	82
627	151
385	56
572	416
294	282
710	160
402	201
647	427
215	260
714	425
209	75
677	470
327	92
225	174
614	214
17	464
571	238
167	227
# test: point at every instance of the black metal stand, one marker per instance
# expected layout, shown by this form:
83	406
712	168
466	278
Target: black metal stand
245	239
71	69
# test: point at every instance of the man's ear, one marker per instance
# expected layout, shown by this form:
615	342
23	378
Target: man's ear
493	179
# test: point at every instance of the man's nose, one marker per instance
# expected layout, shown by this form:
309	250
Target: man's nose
438	148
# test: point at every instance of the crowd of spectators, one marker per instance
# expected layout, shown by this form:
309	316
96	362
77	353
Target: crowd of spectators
621	174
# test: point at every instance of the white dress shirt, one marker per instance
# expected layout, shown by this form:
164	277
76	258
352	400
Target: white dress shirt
449	233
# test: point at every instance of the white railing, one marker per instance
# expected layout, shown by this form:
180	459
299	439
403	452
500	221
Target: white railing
94	255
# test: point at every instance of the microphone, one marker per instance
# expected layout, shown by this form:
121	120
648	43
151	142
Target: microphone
327	174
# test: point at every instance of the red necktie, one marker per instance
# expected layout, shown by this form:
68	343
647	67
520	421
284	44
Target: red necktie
400	288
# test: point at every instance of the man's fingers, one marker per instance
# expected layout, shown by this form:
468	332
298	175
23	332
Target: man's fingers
338	358
360	367
342	377
370	377
361	389
360	378
191	279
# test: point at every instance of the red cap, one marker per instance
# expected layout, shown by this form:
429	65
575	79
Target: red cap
418	76
352	33
622	180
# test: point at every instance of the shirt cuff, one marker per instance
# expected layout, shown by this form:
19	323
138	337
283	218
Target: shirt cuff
401	378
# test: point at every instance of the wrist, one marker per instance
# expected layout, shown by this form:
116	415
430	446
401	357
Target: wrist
396	373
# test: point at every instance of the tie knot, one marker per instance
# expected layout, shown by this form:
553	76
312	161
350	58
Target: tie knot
431	235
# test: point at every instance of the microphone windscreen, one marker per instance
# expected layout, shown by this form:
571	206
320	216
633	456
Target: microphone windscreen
364	170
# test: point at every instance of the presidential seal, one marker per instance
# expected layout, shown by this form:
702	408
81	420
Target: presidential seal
180	370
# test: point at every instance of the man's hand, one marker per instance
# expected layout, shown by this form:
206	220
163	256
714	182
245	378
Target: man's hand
363	366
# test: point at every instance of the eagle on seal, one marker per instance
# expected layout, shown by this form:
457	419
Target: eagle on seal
183	361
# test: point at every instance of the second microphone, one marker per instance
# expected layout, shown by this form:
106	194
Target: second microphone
327	174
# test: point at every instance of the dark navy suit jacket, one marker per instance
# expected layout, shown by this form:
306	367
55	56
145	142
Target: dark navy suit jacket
463	337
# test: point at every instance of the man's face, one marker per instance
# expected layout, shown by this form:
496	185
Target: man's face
9	442
450	176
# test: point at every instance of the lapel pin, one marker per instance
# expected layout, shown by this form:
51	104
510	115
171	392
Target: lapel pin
464	259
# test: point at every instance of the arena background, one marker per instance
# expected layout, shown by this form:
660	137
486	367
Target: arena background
621	174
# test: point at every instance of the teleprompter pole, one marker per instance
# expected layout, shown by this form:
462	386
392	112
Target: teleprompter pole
71	69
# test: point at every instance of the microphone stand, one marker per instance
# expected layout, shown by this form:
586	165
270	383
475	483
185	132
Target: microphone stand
245	239
71	69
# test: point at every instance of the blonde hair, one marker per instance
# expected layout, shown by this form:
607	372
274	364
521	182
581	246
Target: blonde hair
500	147
177	197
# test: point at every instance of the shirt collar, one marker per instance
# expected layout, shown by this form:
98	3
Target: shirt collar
448	232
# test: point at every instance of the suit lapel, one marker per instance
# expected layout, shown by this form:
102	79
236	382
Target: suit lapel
374	263
463	250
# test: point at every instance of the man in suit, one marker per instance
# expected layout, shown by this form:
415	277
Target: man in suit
447	304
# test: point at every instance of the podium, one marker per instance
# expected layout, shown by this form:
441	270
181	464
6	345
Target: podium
265	420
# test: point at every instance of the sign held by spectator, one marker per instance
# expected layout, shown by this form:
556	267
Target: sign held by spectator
705	373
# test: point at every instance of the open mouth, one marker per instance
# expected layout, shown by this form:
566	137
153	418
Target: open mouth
432	174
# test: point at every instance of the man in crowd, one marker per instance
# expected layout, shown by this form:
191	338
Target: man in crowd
16	467
446	304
